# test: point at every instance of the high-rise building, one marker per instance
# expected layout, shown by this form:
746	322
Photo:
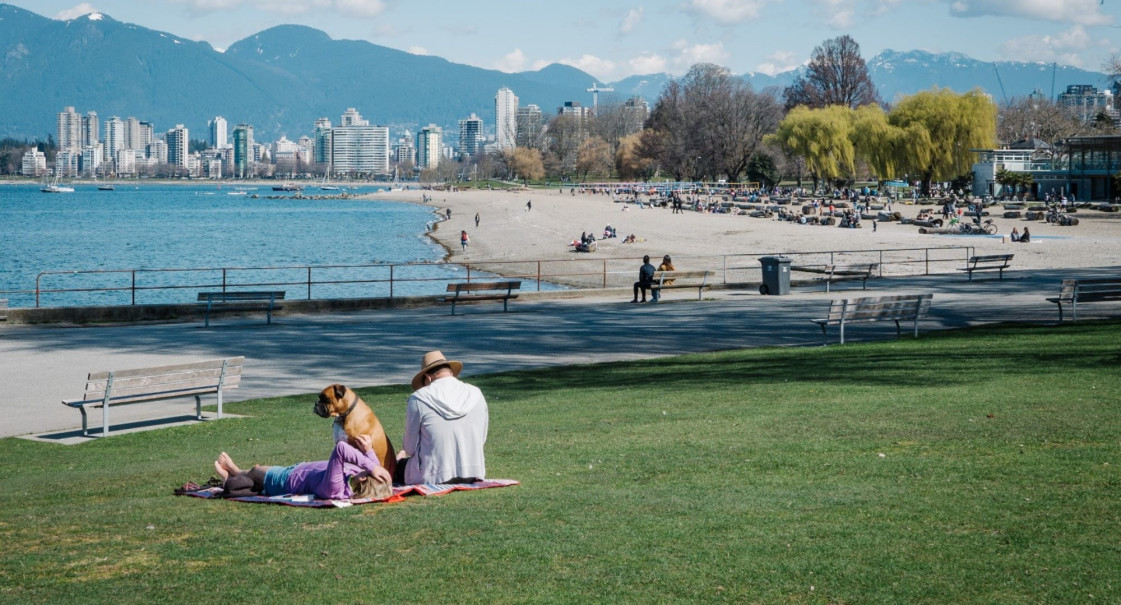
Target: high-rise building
114	138
322	153
351	117
243	149
471	136
360	149
178	146
134	134
1085	101
404	152
91	130
428	143
530	123
635	112
505	119
218	138
69	130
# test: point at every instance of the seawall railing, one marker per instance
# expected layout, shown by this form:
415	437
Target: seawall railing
140	286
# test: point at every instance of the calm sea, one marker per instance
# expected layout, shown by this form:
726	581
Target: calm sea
204	226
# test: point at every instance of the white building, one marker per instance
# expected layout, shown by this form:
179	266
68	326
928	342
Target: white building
138	134
351	117
178	146
218	133
34	163
114	138
360	149
505	118
530	125
69	130
471	137
428	146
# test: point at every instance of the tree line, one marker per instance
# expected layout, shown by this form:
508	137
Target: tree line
829	126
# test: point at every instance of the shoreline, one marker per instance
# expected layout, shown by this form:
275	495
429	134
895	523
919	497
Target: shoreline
508	232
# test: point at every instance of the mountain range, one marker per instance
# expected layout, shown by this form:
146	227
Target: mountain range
284	78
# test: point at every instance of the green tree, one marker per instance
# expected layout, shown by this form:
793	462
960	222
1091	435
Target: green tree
941	128
822	137
629	161
875	140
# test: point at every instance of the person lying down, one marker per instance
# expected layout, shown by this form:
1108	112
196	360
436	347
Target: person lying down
350	473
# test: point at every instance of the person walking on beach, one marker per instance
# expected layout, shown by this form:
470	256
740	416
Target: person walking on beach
448	213
529	205
645	279
476	220
464	240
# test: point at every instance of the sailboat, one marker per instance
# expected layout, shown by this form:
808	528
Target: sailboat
55	187
326	184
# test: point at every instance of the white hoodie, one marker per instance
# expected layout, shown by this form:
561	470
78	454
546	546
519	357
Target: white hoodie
446	426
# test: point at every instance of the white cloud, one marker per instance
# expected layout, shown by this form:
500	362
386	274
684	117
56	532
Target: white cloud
647	64
633	18
364	9
691	54
82	9
418	50
511	62
727	11
604	69
838	14
1082	12
778	62
1068	47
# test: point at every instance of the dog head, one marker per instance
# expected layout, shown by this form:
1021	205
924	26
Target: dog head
332	402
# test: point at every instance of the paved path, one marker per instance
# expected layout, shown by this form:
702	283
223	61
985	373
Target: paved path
303	353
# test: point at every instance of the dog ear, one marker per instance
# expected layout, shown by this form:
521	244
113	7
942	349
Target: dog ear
340	391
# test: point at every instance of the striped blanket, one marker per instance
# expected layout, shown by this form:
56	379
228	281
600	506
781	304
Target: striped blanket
399	493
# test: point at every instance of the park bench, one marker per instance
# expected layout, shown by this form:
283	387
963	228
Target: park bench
907	307
669	280
105	389
835	273
477	291
240	301
1074	291
3	309
988	262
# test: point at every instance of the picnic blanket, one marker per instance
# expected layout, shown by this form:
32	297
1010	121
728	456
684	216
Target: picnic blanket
399	493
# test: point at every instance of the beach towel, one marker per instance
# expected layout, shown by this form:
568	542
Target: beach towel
399	493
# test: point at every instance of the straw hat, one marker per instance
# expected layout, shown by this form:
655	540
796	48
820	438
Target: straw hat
431	361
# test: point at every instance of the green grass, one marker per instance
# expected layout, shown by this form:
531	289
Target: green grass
969	467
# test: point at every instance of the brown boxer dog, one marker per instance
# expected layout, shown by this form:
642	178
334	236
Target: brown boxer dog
352	418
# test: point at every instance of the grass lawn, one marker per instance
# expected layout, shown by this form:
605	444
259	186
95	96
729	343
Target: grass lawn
979	466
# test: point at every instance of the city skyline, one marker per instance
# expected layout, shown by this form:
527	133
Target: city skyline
612	40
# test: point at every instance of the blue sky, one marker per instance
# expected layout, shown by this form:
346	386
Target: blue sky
612	40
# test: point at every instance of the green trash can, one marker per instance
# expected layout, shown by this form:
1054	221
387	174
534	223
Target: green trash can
776	275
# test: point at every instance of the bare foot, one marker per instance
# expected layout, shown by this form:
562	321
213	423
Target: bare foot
228	463
221	470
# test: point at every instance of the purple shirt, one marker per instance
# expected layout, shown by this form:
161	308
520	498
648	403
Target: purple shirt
327	479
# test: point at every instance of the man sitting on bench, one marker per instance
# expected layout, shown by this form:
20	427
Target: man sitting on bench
645	279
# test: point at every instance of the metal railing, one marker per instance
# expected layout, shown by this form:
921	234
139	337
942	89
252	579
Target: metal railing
395	280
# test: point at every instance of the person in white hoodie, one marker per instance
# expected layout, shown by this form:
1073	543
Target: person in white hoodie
446	422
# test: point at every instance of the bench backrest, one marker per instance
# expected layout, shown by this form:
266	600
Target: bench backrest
1105	288
660	275
476	286
907	306
165	381
240	296
991	258
859	268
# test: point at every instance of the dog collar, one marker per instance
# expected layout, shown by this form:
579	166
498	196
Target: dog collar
350	409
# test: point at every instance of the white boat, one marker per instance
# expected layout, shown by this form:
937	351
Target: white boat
56	189
326	184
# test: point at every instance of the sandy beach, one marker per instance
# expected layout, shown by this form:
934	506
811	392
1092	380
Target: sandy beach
508	231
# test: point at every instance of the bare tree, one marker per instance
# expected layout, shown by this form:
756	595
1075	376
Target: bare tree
564	135
836	75
1035	118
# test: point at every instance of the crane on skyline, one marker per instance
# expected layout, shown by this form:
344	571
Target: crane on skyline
595	90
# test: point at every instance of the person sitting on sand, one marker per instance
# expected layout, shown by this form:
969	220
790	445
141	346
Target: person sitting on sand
1015	234
349	473
1026	237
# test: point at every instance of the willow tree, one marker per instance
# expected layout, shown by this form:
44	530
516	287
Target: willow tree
525	162
941	128
822	137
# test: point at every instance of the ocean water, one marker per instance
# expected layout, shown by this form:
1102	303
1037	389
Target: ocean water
203	226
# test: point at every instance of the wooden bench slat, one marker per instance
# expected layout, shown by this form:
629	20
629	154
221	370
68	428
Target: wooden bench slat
841	272
137	385
480	291
1074	291
661	278
908	307
987	262
243	300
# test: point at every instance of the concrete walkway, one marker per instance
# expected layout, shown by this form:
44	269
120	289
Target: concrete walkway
304	353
